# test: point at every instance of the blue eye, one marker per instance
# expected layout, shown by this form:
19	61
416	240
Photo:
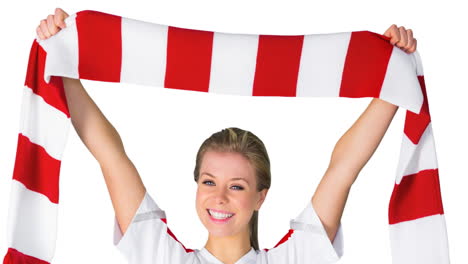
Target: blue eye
240	187
206	182
237	187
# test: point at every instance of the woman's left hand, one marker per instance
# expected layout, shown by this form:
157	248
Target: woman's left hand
402	38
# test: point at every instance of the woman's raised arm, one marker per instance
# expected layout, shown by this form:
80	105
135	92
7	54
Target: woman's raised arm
123	182
351	153
356	147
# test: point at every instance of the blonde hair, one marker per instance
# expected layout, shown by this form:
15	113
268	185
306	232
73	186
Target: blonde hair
244	142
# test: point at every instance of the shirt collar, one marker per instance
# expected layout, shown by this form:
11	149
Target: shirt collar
249	258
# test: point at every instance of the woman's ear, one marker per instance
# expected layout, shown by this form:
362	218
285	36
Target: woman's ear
261	198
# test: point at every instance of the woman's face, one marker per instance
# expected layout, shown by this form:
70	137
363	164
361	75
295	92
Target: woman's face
227	195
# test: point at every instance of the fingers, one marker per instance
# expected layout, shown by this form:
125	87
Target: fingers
411	45
52	24
393	33
409	42
39	32
402	38
59	17
53	29
44	28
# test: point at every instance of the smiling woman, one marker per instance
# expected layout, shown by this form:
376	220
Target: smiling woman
233	176
232	173
231	183
232	154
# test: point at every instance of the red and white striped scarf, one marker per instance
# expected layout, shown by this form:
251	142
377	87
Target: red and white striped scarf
109	48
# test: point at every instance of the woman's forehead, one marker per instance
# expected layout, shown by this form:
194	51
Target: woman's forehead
247	180
226	165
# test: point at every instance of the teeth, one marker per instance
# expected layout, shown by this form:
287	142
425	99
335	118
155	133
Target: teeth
219	215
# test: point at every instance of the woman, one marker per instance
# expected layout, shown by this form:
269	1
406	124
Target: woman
233	176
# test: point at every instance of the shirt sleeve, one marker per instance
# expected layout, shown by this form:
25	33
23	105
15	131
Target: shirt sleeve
148	240
307	242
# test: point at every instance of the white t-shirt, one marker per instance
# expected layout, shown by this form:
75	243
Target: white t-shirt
149	241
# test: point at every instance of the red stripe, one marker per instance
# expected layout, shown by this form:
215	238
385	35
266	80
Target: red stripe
188	62
13	256
277	68
365	65
173	236
52	92
415	124
417	195
284	239
99	45
36	169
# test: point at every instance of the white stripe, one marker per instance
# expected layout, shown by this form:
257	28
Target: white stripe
32	223
322	63
233	63
418	62
144	52
414	158
43	124
62	51
401	86
420	241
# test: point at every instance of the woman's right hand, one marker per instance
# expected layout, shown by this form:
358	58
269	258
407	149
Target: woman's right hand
52	24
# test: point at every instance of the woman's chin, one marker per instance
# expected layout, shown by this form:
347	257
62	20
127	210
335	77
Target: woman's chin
217	233
220	230
221	227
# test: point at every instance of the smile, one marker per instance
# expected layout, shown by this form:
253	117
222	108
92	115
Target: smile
218	217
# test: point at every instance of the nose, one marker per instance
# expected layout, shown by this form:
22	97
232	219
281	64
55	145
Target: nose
221	196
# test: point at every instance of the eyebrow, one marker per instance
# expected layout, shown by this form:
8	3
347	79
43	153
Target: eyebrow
233	179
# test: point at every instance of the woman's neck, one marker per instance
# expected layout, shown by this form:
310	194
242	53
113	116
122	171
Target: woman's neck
229	249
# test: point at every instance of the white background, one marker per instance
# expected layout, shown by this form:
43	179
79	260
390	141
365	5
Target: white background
162	128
